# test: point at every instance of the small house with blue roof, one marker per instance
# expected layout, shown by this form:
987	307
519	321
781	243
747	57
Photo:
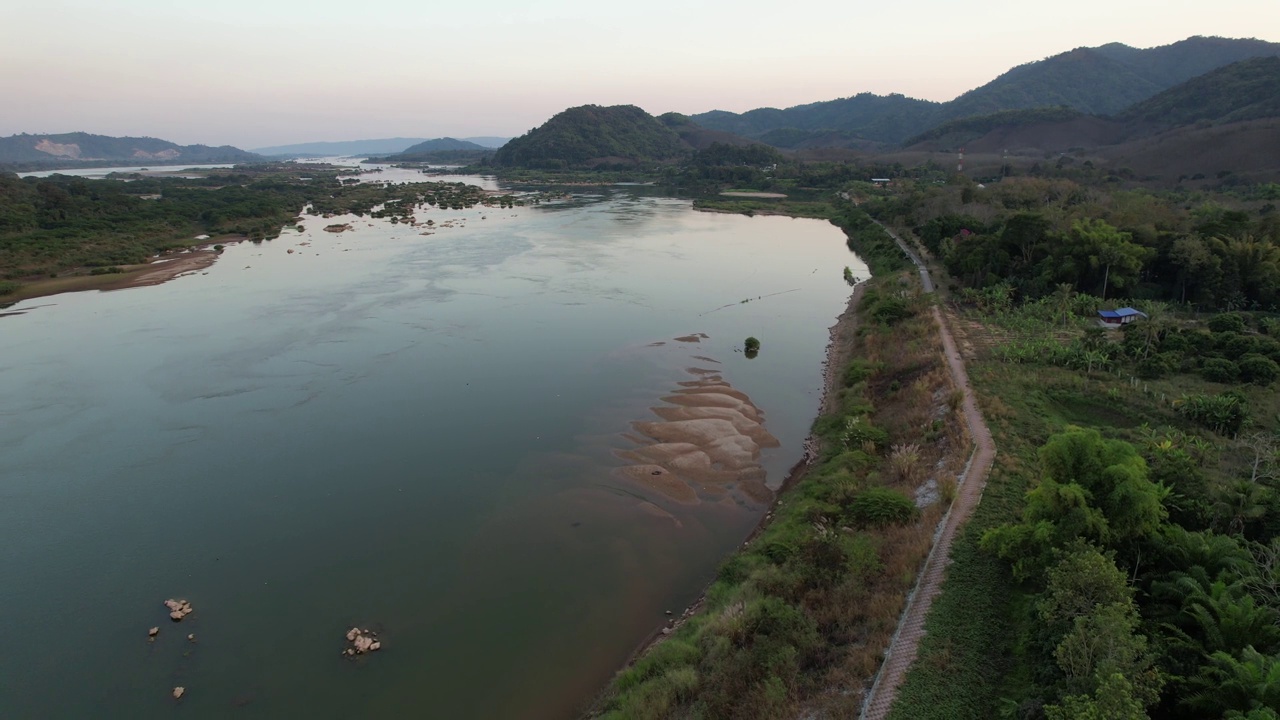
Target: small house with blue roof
1123	316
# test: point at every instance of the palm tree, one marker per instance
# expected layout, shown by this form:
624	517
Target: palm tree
1239	502
1248	683
1063	299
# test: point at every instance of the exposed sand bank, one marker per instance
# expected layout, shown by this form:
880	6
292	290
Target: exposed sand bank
705	446
159	270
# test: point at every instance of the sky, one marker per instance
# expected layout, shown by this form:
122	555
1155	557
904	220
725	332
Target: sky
253	73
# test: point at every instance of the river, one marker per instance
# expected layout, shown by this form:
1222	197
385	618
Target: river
417	434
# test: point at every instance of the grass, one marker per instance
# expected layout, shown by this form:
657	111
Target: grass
811	603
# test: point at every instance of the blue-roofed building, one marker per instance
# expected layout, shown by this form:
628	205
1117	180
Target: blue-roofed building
1123	316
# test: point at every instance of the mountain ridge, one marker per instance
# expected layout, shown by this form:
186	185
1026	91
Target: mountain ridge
1101	80
68	149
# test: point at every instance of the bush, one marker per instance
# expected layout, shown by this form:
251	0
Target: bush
1227	322
1224	414
1219	370
751	346
880	507
1258	370
858	433
8	287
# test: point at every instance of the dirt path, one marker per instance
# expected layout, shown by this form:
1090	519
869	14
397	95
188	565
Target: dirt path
906	640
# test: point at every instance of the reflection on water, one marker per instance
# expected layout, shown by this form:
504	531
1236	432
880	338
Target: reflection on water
419	435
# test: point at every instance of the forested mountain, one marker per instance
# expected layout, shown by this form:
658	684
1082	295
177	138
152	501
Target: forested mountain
594	136
1103	80
446	143
440	150
888	118
71	148
1246	90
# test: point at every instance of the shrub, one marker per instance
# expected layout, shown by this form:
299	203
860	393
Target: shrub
1219	370
751	345
8	287
1157	366
880	507
1258	370
1227	322
859	433
1224	414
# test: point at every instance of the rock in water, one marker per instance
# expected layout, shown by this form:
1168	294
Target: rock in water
153	632
178	692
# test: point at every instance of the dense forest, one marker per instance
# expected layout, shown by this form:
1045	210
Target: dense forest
594	136
1103	80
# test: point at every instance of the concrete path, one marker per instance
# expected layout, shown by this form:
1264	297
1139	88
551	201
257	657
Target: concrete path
906	640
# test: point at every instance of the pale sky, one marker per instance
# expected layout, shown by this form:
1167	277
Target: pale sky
265	72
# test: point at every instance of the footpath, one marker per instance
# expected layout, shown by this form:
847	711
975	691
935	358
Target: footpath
906	640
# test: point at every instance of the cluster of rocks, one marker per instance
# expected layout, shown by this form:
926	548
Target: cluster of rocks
362	641
178	609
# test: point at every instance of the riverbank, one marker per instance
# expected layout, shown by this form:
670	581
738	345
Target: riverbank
838	354
160	270
798	619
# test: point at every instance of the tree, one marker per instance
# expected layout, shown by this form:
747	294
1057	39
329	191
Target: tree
1110	249
1114	699
1063	298
1244	684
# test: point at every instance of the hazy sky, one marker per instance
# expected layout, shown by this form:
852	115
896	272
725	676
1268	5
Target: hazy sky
265	72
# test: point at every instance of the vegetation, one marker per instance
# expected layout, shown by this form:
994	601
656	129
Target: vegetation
64	224
1032	237
813	600
1121	561
1244	90
620	136
751	347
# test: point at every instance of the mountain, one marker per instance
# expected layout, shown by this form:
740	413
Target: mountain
70	149
1102	80
1245	90
594	136
384	146
488	141
440	150
439	144
698	137
884	118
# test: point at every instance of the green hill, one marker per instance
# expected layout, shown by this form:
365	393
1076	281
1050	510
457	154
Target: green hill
439	144
1102	80
70	149
594	136
1245	90
885	118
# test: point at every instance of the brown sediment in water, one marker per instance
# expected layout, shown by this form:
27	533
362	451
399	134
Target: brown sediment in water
704	446
698	394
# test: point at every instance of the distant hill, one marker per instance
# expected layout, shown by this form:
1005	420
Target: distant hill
438	144
383	146
883	118
1245	90
440	150
698	137
594	136
1102	80
69	149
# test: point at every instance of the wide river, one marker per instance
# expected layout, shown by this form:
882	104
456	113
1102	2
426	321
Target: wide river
416	434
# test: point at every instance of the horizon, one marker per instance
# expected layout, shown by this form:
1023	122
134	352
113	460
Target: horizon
154	70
